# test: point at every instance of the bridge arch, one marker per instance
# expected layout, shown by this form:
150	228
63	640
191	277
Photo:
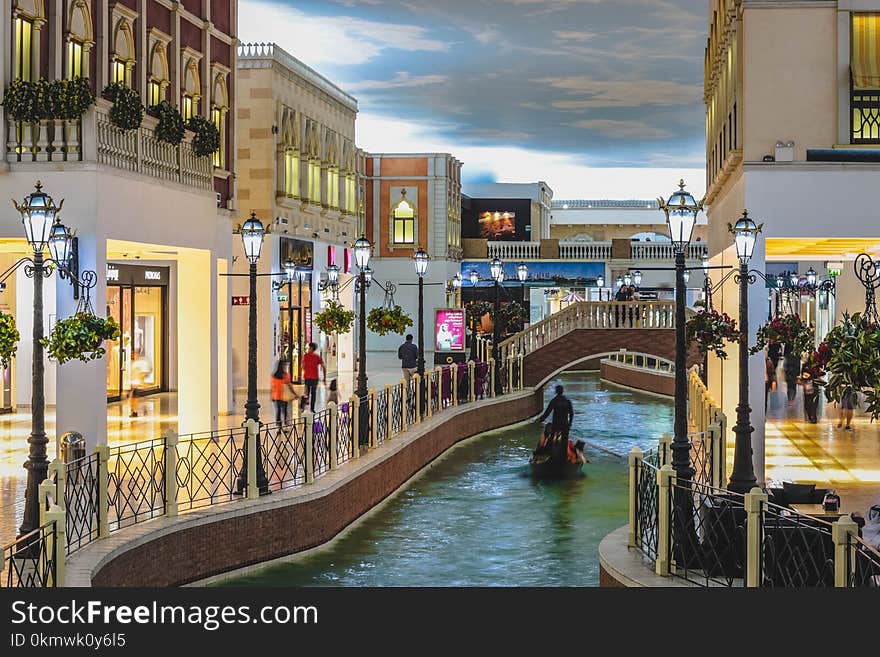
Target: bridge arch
548	378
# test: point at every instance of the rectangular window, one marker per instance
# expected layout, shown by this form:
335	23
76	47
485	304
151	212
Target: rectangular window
404	226
74	60
333	187
291	174
315	181
865	79
117	74
349	194
154	93
187	107
217	120
22	49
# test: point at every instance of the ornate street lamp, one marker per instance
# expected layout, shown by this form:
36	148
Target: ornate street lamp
522	274
600	281
618	282
474	277
627	279
742	480
811	277
637	278
681	210
420	260
496	268
362	252
252	233
333	275
687	276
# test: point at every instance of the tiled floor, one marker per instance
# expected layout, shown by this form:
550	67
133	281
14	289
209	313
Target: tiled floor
156	413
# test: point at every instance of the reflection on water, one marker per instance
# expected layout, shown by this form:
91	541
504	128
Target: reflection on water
477	519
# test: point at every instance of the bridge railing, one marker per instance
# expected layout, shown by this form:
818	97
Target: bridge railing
590	315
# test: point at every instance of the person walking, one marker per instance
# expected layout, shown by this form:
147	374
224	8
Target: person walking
848	402
770	383
282	391
791	365
408	353
311	362
811	395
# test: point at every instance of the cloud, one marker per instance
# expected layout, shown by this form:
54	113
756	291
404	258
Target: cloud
334	40
621	93
567	174
402	79
623	129
575	36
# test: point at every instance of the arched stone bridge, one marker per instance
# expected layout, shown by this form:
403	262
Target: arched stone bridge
591	330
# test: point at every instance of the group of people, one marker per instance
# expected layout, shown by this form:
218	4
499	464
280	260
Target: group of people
283	391
798	374
625	293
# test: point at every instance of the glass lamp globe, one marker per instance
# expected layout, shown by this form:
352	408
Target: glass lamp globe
252	238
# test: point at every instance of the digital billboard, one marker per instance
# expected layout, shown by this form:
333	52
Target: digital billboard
497	225
449	329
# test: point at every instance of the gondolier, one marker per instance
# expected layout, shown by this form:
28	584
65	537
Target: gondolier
563	413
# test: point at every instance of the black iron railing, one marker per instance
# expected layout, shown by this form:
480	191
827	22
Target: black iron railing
136	482
796	551
647	506
381	415
284	453
208	467
865	107
29	561
863	564
321	443
81	501
396	409
344	442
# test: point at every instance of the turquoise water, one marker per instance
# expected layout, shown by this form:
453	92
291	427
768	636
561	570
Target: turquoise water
477	519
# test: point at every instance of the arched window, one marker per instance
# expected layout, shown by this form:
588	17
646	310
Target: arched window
350	194
219	107
189	103
123	58
403	221
291	173
28	17
158	79
80	38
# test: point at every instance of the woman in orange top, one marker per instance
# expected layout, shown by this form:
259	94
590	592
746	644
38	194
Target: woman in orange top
282	390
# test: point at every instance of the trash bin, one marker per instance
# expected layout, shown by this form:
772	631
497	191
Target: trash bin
73	446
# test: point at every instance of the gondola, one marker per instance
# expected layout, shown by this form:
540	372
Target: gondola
554	463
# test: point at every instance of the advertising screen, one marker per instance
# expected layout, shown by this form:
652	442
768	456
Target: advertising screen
497	225
449	329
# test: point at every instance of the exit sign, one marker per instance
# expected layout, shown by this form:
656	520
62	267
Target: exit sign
834	268
282	298
240	301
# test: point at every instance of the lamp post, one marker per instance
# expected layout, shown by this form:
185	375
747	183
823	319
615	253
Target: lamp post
496	268
742	479
252	233
362	249
600	283
707	300
420	260
474	277
627	279
637	278
522	273
301	272
681	212
456	290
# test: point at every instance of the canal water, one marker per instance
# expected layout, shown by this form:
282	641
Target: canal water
476	518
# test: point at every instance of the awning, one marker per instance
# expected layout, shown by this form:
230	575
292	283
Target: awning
572	297
865	50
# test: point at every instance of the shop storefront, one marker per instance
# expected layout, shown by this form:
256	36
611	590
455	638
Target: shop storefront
137	298
295	305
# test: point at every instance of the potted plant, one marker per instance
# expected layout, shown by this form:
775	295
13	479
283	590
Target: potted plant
334	319
852	361
171	127
127	112
512	315
711	330
387	319
206	137
80	337
20	103
77	97
9	337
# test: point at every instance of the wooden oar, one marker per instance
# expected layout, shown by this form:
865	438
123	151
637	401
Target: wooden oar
595	446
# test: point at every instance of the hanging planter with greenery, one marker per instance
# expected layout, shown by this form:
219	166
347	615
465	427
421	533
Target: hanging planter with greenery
334	319
171	127
9	337
127	112
386	320
21	101
80	337
206	139
853	361
76	97
476	310
512	315
789	330
711	330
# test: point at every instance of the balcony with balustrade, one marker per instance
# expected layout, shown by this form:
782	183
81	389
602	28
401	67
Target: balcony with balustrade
93	139
588	251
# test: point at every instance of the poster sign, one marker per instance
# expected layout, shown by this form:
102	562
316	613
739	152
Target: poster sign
449	329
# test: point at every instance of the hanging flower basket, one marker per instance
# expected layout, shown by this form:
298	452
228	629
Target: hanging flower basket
80	337
127	112
711	330
476	310
170	128
512	314
386	320
334	319
789	330
853	361
206	137
9	337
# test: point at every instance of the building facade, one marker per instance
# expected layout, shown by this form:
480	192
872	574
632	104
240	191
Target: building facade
153	219
411	201
299	174
792	97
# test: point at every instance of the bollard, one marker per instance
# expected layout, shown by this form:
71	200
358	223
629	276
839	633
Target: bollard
309	421
170	454
665	477
842	532
354	409
253	490
635	459
58	546
755	500
471	371
103	452
73	446
333	429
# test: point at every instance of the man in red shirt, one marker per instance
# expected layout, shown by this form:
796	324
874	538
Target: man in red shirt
311	361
